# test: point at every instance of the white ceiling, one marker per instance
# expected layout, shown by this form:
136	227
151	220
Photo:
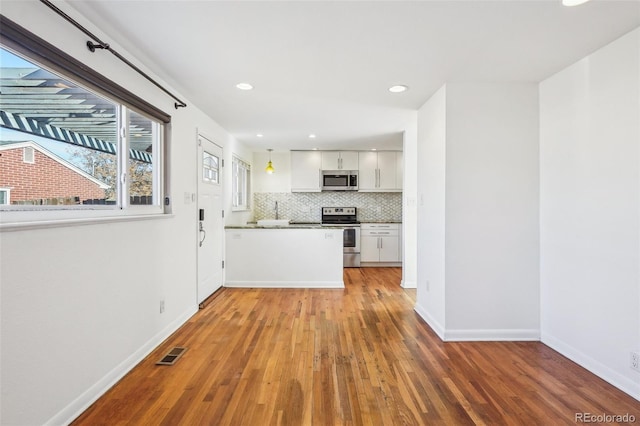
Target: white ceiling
324	67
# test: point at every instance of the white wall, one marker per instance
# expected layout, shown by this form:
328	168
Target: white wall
492	234
590	211
278	181
410	204
478	212
431	156
80	304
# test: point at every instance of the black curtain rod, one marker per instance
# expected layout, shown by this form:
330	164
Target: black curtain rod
99	44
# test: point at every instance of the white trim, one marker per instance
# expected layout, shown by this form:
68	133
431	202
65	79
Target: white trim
625	383
284	284
408	284
94	220
431	322
84	401
492	335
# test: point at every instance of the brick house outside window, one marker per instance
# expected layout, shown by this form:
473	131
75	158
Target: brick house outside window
30	174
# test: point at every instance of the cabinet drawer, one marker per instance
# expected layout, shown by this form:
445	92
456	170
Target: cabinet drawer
379	232
380	227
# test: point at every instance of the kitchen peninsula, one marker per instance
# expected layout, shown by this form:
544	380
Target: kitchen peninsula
296	256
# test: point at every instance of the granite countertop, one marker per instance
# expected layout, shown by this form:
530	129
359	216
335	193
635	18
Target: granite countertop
297	225
293	225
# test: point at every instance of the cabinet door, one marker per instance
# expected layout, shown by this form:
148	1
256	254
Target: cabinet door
305	171
368	169
387	171
369	250
330	160
389	249
349	160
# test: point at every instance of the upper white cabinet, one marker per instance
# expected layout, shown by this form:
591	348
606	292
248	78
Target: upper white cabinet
380	171
306	167
339	160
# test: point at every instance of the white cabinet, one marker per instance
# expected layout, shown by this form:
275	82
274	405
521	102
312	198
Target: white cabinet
380	243
380	171
305	171
339	160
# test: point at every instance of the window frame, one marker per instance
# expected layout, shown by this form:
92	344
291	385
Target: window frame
17	39
238	163
7	197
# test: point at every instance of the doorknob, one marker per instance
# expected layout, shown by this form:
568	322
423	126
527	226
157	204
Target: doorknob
203	232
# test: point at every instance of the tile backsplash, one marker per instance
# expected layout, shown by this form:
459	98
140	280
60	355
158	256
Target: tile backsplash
305	206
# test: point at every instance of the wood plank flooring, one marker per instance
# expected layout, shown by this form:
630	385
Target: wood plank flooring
358	356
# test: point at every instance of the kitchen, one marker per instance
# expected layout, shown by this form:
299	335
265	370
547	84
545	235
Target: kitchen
313	193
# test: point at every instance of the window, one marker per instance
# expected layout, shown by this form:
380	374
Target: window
210	168
28	155
69	138
5	196
241	188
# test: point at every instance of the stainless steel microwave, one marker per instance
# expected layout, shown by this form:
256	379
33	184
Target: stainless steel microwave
339	180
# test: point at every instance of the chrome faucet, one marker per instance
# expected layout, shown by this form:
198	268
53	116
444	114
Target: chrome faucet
276	210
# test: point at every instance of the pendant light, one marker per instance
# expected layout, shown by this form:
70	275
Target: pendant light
269	169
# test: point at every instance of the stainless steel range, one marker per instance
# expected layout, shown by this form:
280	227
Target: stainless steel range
347	219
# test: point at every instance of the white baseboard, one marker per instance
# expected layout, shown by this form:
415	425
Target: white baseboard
84	401
285	284
476	335
629	384
492	335
408	284
431	322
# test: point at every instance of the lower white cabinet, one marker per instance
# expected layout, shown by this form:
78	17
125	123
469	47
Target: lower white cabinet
380	242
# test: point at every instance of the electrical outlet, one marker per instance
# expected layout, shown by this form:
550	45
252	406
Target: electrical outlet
162	306
635	361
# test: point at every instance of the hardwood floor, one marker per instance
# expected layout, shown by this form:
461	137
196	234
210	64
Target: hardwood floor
358	356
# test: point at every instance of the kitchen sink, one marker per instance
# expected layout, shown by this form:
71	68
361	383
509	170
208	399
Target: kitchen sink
274	222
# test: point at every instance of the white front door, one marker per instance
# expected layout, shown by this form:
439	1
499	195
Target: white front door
210	223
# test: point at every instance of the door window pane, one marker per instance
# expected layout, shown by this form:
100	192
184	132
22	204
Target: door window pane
210	168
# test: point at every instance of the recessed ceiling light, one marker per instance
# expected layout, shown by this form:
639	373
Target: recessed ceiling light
373	149
314	149
259	135
312	136
398	89
573	2
244	86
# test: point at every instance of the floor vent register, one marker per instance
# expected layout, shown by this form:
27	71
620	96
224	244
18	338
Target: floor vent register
172	356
